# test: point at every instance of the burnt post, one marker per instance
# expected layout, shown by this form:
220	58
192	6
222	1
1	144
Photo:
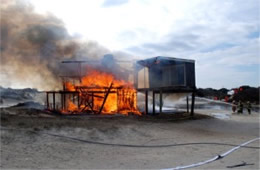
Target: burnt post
92	100
64	101
105	98
53	95
187	98
47	100
146	101
73	97
78	100
61	101
153	102
161	102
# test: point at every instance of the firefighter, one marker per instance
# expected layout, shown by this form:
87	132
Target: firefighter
234	106
240	107
249	107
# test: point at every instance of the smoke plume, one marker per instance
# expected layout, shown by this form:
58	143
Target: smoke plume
32	46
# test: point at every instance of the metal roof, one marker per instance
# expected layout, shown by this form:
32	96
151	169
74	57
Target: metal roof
163	61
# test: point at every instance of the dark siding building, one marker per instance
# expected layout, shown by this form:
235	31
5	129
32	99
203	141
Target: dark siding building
165	75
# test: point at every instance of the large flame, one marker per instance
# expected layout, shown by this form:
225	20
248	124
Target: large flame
121	99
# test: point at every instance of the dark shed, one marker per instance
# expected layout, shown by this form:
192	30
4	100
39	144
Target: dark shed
165	75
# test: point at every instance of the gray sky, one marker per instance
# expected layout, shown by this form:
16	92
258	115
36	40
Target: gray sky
221	35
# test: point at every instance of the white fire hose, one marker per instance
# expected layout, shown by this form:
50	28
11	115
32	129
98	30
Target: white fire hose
127	145
214	158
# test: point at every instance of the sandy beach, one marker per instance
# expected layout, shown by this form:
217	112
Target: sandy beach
29	139
122	84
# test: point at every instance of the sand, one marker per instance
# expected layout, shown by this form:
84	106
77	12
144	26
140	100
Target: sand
25	144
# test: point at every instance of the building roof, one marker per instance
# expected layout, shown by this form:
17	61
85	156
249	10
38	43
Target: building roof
163	61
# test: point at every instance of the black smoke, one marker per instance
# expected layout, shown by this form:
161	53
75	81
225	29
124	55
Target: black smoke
33	45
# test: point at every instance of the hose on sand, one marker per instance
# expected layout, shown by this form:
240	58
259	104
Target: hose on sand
214	158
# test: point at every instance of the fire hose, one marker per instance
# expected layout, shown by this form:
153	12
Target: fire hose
128	145
214	158
243	145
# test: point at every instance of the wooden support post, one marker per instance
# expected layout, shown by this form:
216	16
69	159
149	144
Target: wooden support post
53	95
153	102
47	100
192	104
64	101
61	101
146	102
187	98
104	101
161	101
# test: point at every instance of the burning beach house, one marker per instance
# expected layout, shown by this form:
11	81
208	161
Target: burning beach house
99	91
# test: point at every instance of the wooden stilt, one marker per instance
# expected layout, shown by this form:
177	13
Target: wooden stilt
61	101
64	101
146	102
192	104
53	100
161	101
153	102
187	98
92	101
47	100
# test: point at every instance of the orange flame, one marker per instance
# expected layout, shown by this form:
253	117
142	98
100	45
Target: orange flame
122	98
69	86
72	106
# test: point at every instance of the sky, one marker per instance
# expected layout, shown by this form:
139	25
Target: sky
222	36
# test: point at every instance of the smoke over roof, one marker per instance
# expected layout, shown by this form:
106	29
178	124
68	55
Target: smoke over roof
33	45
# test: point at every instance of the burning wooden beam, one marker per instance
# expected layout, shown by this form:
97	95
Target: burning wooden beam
106	95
